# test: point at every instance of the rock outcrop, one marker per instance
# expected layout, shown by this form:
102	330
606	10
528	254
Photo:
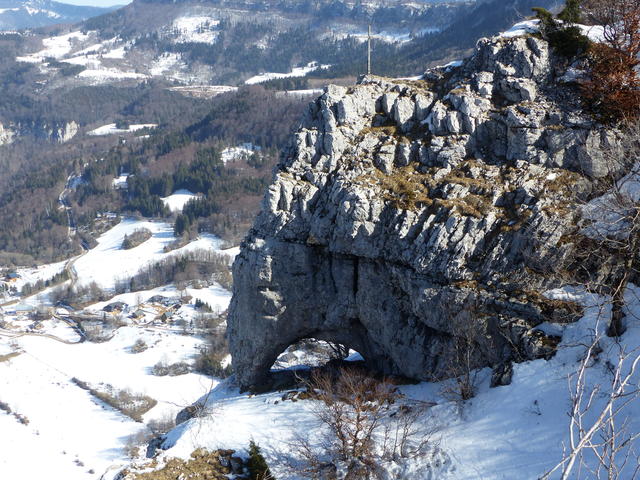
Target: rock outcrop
56	132
408	214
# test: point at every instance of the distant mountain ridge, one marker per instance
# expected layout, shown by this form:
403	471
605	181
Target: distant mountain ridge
18	15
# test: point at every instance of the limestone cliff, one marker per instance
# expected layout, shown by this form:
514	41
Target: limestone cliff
407	210
56	132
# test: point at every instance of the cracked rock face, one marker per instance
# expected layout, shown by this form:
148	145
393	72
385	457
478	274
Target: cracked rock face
407	214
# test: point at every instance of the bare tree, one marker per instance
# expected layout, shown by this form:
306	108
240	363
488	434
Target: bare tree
600	442
463	355
621	22
365	425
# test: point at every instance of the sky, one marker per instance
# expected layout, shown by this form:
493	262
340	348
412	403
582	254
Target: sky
96	3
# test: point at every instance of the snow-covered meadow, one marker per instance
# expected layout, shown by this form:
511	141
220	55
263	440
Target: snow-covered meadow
178	199
295	72
112	129
46	368
71	432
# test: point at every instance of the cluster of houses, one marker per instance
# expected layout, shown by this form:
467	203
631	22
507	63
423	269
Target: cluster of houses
157	308
8	282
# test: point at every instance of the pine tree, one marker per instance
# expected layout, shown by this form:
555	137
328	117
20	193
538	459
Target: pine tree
572	12
258	467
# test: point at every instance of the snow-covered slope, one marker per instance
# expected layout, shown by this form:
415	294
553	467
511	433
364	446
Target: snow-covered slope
108	262
15	14
74	434
46	366
510	432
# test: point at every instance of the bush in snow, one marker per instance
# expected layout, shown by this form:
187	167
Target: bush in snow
137	237
139	347
565	37
210	360
367	427
162	369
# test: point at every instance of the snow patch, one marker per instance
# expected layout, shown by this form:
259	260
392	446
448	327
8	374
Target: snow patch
197	29
166	62
120	182
116	53
178	199
610	213
111	129
295	72
101	75
55	47
526	27
231	154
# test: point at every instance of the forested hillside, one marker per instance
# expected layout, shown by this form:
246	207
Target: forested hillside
184	153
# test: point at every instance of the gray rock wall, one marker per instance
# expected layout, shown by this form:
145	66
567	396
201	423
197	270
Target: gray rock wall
408	213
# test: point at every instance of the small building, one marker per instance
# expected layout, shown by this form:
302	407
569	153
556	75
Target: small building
12	277
138	314
115	307
157	299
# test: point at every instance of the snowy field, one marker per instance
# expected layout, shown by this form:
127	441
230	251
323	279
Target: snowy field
35	274
196	29
295	72
111	129
45	368
74	434
108	263
178	199
55	47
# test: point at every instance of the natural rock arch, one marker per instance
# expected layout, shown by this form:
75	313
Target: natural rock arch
399	203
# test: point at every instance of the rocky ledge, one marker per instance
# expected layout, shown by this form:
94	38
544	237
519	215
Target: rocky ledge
410	214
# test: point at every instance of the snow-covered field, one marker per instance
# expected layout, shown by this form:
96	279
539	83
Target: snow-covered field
55	47
103	74
196	29
70	432
43	364
111	129
108	263
295	72
35	274
178	199
166	62
204	91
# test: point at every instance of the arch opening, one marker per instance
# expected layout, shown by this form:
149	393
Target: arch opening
311	352
295	364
